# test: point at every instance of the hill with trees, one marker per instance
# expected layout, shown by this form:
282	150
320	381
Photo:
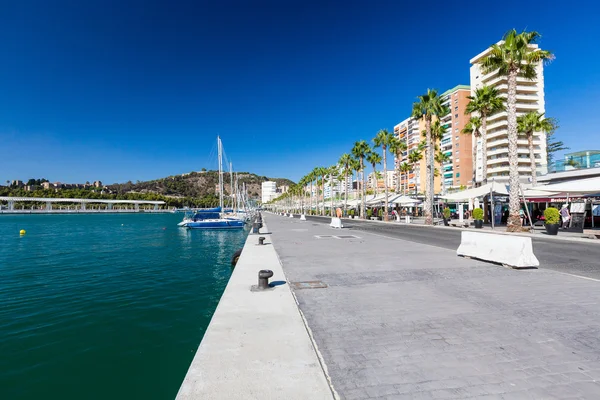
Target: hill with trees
199	189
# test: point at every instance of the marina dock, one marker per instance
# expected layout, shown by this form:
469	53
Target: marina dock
395	319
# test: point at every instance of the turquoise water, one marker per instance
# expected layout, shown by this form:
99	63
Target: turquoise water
105	306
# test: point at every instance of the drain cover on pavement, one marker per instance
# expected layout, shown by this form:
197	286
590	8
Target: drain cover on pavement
309	285
324	236
347	237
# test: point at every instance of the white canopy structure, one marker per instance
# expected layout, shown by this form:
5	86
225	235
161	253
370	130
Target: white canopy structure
404	201
379	199
466	195
580	186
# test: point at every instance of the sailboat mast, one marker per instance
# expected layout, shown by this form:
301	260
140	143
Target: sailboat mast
220	172
231	183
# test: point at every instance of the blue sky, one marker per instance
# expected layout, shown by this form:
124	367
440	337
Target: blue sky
136	90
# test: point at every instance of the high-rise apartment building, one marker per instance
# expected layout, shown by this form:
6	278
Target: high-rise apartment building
530	97
410	132
458	170
268	191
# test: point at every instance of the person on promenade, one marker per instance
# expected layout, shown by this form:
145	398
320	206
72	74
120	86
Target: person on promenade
566	217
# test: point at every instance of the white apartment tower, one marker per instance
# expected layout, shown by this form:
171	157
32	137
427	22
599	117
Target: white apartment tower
530	97
268	191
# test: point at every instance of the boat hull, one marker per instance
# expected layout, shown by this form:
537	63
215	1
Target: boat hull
215	224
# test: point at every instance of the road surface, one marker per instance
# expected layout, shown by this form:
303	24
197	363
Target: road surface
578	258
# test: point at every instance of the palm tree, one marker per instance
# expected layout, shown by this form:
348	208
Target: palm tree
414	158
384	139
360	151
374	159
528	124
321	173
553	145
332	171
428	106
486	102
441	158
405	169
355	165
473	128
345	161
397	147
514	56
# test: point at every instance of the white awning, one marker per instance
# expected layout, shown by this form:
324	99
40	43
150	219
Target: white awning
465	195
404	200
579	186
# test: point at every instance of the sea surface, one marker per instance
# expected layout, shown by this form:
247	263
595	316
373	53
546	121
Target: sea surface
106	306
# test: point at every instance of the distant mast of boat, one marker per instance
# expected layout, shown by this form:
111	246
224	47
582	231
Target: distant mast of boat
220	151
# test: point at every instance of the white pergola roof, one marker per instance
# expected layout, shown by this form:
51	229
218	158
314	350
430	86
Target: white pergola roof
68	200
465	195
579	186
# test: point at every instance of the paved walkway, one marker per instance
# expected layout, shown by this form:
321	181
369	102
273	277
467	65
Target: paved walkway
404	320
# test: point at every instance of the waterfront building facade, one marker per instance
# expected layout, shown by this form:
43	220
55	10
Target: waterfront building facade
268	191
410	132
530	97
457	171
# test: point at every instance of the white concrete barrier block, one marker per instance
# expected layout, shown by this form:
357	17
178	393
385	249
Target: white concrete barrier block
291	215
302	217
514	251
336	223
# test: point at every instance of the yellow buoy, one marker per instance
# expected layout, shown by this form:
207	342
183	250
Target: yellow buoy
22	231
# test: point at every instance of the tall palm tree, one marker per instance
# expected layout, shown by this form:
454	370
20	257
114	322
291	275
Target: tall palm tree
384	139
345	164
414	158
486	102
473	128
332	172
397	147
441	158
404	170
321	173
355	165
514	56
428	106
528	124
360	151
374	159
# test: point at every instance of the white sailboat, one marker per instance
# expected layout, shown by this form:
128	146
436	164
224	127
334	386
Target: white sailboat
213	218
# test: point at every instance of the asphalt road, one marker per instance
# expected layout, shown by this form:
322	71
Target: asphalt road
576	258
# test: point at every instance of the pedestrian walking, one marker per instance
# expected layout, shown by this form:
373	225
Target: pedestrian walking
565	215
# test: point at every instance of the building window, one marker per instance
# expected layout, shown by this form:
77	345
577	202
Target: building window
457	166
455	115
456	130
456	145
456	137
458	174
456	108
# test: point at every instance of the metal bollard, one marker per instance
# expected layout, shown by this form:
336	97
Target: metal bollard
261	240
263	278
255	227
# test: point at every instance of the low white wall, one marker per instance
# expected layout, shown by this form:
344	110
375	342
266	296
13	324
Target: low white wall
256	346
515	251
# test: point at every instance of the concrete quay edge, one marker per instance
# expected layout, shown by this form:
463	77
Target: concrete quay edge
257	345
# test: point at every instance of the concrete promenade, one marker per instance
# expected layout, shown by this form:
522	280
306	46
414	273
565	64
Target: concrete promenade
256	346
406	320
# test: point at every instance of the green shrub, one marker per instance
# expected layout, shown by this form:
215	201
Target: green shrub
446	213
552	216
380	213
369	213
351	212
478	214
